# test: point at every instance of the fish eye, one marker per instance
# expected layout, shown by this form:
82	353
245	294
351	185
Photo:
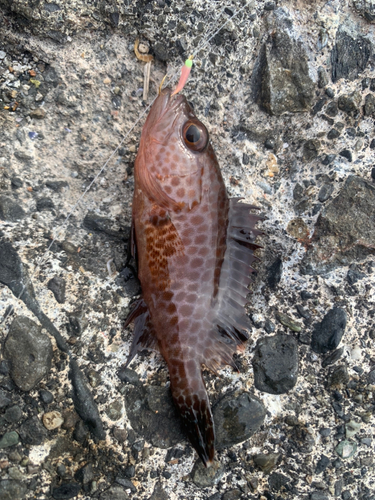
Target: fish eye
195	135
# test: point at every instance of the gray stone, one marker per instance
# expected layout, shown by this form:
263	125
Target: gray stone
275	364
205	477
237	416
349	55
57	286
114	493
346	449
153	416
29	351
33	432
369	107
10	210
327	334
11	489
282	81
9	439
345	231
266	461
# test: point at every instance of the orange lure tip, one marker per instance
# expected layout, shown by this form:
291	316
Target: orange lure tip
185	72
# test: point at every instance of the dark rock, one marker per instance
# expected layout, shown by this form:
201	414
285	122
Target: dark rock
232	495
31	363
13	414
65	491
269	6
57	185
354	275
349	103
371	377
298	192
57	286
349	56
85	474
93	222
237	417
338	377
161	52
346	153
373	173
81	432
322	464
127	484
10	210
333	134
269	326
5	399
274	273
128	280
325	192
304	313
319	495
114	18
369	107
14	275
275	364
322	77
153	416
281	77
277	481
16	182
328	159
114	493
302	438
205	477
44	204
116	102
333	357
332	109
330	93
310	150
9	439
129	376
83	400
10	489
327	334
266	462
305	295
325	432
33	432
46	396
345	232
319	105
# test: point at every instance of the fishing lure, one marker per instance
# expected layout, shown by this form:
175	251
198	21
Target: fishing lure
195	248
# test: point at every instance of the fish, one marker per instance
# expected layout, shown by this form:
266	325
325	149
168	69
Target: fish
194	248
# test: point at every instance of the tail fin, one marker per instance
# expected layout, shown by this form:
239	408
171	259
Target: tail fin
191	399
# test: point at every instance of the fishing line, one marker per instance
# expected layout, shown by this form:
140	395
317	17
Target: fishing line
174	74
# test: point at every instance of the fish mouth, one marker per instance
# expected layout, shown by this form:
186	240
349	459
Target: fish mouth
170	102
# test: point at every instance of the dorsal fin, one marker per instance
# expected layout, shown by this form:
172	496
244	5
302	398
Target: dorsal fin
235	276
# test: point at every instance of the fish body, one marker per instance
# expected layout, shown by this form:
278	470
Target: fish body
194	248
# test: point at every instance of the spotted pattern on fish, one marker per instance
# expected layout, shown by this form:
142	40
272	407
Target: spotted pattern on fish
195	248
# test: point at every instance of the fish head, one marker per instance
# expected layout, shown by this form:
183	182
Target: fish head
173	153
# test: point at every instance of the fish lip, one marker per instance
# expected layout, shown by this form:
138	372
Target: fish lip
171	103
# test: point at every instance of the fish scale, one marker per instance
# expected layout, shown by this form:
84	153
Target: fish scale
194	248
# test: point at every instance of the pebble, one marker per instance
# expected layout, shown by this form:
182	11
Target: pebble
153	416
11	489
46	396
31	363
275	271
346	449
44	204
13	414
129	376
205	477
57	285
115	410
351	428
277	481
32	431
10	210
275	364
267	462
325	192
288	322
5	398
65	491
322	464
52	420
114	493
328	334
9	439
333	357
237	416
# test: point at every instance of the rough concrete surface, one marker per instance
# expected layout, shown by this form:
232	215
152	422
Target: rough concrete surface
287	92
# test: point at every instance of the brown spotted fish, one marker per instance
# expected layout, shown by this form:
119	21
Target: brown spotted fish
194	248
